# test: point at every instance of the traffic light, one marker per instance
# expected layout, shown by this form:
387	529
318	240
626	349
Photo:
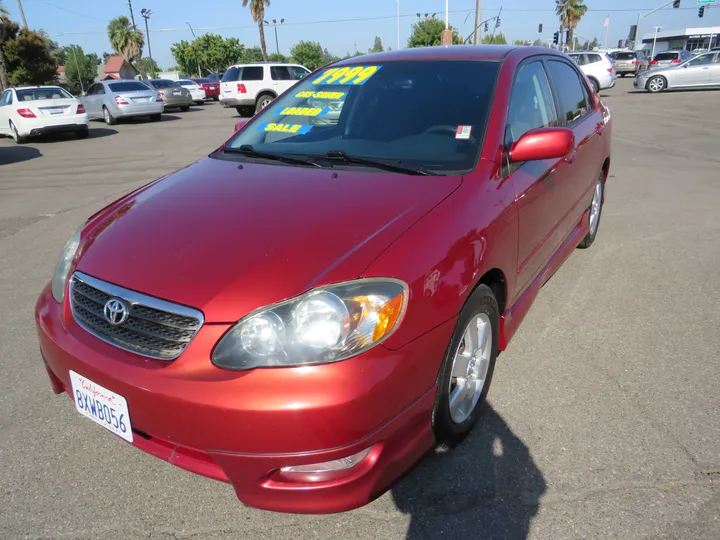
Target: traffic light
676	4
556	37
701	12
539	28
633	32
486	27
497	23
567	36
620	43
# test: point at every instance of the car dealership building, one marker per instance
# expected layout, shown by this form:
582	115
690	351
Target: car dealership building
689	39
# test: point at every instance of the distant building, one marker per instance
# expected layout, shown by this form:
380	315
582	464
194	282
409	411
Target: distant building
687	39
117	68
60	74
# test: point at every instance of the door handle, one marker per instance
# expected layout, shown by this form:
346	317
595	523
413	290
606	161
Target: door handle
599	128
569	158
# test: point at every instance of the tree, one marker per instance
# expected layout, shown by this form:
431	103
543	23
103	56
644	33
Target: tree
497	39
105	57
80	69
377	46
26	55
127	42
257	10
426	33
151	66
209	53
95	59
570	12
329	58
3	35
277	57
253	54
595	44
309	54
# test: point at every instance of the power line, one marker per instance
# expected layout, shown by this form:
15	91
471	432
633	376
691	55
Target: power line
71	11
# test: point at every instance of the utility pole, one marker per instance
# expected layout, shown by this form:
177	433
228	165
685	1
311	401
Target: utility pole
146	15
478	16
22	14
194	37
275	24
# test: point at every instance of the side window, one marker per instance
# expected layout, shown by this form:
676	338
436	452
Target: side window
298	72
717	58
579	59
573	99
5	98
253	73
593	58
531	102
231	75
90	91
280	73
701	60
100	89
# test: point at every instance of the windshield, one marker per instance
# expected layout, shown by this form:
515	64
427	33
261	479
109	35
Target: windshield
429	114
37	94
666	56
128	87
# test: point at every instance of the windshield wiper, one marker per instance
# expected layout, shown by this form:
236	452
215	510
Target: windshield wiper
340	155
248	151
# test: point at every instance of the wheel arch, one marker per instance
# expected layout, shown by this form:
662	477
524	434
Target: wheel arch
265	92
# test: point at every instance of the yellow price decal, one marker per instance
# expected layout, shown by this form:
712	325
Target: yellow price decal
303	111
347	75
320	95
298	129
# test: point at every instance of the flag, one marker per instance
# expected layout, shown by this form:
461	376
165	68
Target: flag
607	21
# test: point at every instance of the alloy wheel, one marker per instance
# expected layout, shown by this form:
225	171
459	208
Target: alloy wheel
595	208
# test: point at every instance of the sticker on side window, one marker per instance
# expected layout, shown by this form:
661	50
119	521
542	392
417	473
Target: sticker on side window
355	75
463	132
299	129
303	111
320	95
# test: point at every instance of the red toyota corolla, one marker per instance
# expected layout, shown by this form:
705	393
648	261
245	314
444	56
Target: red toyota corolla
308	310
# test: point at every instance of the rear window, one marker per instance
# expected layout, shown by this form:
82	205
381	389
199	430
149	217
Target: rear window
666	56
625	56
383	112
37	94
129	86
163	83
203	81
186	83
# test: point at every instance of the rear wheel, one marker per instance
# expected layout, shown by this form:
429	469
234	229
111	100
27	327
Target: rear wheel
245	111
262	102
656	84
467	370
156	117
185	108
594	213
594	85
19	139
108	117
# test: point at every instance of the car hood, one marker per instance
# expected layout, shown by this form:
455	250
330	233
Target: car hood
228	238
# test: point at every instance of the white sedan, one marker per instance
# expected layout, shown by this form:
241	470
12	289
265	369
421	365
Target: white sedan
197	92
38	110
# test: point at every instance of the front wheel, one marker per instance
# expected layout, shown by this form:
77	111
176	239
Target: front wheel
656	84
594	213
467	369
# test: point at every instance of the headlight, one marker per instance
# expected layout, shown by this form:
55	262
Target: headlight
325	325
62	271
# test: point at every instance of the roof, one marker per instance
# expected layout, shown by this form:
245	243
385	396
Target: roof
451	52
114	64
61	69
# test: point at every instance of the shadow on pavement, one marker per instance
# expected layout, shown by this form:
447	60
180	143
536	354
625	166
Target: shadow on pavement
18	154
487	488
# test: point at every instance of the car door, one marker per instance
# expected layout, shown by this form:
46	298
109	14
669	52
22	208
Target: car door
87	100
254	79
539	188
715	70
577	111
6	102
695	72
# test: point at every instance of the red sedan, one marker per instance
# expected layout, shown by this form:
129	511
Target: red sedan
308	310
212	88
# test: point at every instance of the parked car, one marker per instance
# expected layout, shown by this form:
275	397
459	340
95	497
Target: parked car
30	111
598	67
310	348
216	77
629	62
115	99
251	87
668	58
700	71
197	92
172	94
212	88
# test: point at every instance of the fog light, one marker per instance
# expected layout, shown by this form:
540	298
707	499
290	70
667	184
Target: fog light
329	466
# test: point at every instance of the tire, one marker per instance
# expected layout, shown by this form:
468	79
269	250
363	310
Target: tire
656	84
185	108
594	85
19	139
245	111
594	219
451	424
156	117
216	98
263	101
108	117
199	103
82	134
623	75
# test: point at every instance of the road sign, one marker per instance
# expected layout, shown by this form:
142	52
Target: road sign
704	2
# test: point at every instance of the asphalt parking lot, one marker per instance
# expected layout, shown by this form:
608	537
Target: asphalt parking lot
604	410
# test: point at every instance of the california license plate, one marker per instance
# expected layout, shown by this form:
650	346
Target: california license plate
58	110
101	405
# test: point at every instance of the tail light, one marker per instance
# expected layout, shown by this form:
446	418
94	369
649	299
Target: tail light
81	109
611	69
676	61
241	89
654	62
159	98
161	93
26	113
119	100
634	62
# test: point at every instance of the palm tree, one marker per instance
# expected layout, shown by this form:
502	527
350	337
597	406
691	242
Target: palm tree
4	82
257	10
127	41
570	13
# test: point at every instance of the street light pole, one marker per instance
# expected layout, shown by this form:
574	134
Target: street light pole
398	24
657	28
194	37
146	15
275	24
478	16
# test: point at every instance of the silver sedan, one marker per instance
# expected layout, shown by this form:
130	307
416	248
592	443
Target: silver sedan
700	71
115	99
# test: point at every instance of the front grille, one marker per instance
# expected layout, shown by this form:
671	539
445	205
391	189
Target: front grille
153	328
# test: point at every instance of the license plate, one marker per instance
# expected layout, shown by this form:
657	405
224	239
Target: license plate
176	92
212	88
102	406
56	111
141	100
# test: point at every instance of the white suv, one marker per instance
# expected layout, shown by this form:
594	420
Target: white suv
251	87
597	66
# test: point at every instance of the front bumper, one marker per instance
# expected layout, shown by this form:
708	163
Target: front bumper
243	427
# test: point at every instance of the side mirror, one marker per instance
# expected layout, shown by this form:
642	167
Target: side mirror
241	124
543	143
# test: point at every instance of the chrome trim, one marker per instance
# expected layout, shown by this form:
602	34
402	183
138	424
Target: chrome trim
133	298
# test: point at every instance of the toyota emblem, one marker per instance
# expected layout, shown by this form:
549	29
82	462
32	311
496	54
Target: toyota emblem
115	311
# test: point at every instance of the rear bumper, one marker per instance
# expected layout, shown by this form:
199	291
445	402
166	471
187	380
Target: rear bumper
138	110
177	101
236	102
242	428
60	124
65	128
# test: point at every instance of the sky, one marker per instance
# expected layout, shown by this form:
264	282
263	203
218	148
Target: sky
340	26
